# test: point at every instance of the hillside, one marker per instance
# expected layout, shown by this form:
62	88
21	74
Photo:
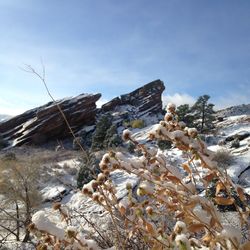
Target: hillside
243	109
59	169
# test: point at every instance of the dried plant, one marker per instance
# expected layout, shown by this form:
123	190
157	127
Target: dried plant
163	191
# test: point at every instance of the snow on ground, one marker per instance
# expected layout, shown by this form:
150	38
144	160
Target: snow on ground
141	135
234	124
62	178
231	126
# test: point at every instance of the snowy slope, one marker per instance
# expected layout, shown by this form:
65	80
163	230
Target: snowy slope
231	127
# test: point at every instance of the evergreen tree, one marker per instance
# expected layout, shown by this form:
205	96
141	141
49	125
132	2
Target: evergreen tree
89	169
203	113
185	115
112	138
102	126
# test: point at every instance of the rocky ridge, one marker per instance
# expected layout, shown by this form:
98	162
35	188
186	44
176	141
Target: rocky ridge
147	99
45	123
243	109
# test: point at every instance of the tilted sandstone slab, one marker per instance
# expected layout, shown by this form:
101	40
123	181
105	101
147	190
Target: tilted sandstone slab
44	123
147	99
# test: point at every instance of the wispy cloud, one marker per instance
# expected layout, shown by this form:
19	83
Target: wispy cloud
178	99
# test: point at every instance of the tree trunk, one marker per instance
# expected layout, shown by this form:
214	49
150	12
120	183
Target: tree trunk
17	222
203	117
28	216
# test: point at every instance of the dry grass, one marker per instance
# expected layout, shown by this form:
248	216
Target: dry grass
223	157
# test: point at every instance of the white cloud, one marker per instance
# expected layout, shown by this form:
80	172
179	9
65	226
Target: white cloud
178	99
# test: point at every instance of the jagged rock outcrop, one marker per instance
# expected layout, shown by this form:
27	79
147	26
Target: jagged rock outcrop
44	123
146	100
39	125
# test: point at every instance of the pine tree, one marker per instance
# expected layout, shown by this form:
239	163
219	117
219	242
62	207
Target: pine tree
102	126
89	169
203	113
185	115
112	138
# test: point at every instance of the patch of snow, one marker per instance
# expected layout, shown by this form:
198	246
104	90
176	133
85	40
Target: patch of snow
215	148
120	180
51	192
141	135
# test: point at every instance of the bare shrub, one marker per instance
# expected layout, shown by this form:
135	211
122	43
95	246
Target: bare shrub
18	187
223	157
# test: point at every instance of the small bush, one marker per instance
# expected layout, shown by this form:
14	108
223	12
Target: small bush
223	157
163	145
89	169
112	139
235	143
115	141
137	123
102	126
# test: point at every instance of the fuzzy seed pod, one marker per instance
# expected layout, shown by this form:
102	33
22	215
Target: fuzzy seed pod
180	227
149	210
96	196
192	132
94	184
151	136
106	158
101	177
106	173
48	240
101	199
103	166
168	117
171	108
85	191
126	134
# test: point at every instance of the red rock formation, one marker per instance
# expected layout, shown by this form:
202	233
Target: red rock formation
44	123
146	99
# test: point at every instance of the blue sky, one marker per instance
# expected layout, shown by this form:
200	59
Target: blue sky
112	46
